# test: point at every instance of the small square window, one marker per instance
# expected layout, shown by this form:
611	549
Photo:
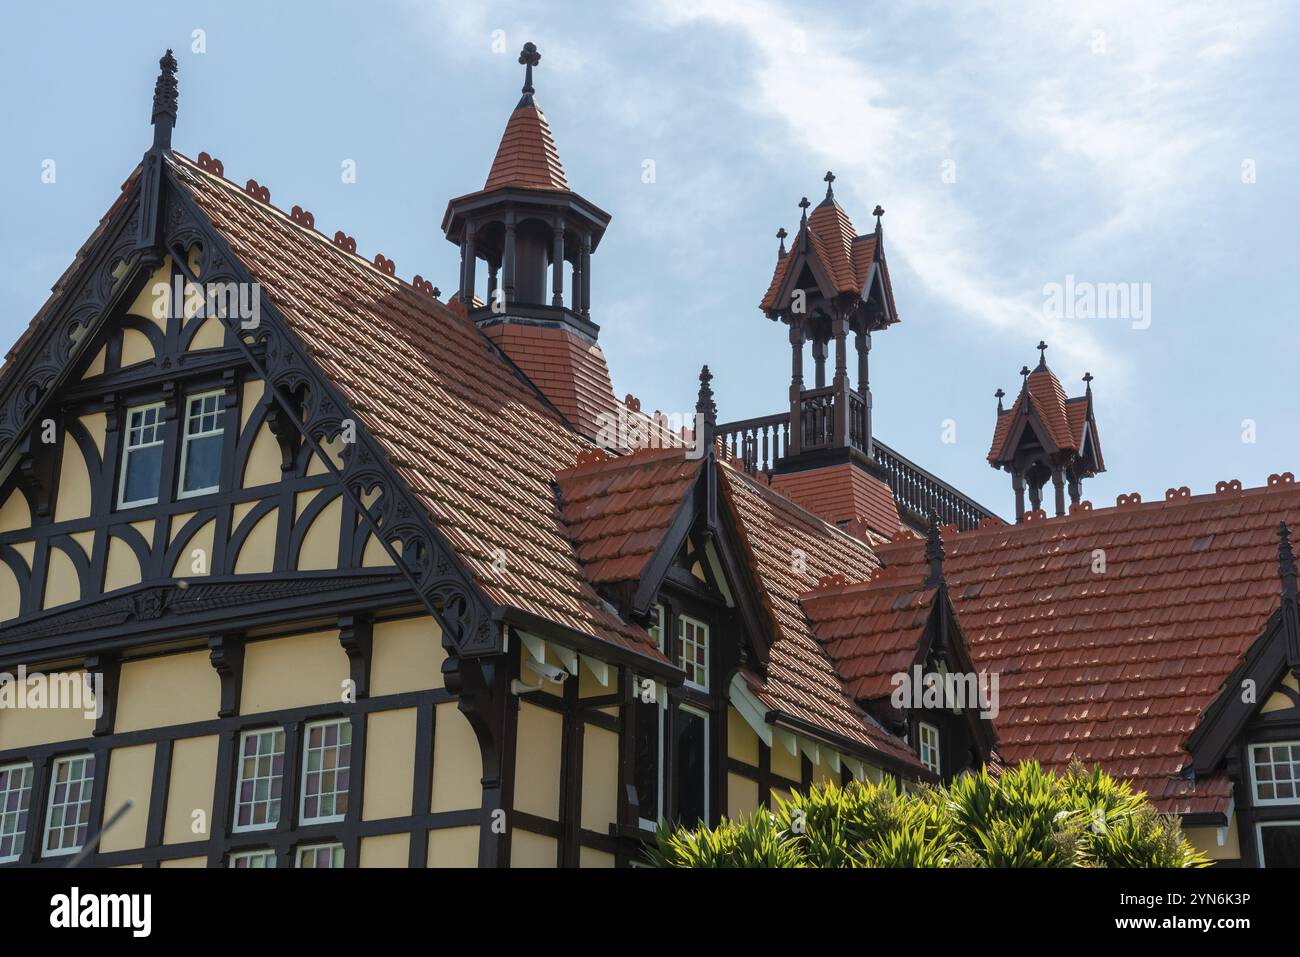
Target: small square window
15	802
261	779
326	768
67	820
248	859
1275	772
142	456
321	855
693	651
928	739
201	448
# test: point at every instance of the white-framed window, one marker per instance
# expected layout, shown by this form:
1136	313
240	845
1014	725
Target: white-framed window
927	736
264	857
15	806
67	819
201	445
321	855
1275	772
326	769
1278	843
142	453
691	763
693	651
261	779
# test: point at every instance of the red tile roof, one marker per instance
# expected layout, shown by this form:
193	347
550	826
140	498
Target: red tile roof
619	509
1047	400
527	156
791	550
872	629
570	371
1116	667
845	258
842	493
471	440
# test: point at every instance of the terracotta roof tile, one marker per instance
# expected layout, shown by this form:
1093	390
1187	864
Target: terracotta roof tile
619	510
527	156
842	493
472	441
791	550
1116	667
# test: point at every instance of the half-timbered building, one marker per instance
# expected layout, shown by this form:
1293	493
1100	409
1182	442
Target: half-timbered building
359	575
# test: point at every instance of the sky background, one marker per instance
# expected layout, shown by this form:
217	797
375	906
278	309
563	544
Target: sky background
1011	146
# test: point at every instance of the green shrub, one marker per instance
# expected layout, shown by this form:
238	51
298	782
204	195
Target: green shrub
1023	817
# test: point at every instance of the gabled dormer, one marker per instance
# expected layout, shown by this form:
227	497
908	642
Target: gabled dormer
1046	437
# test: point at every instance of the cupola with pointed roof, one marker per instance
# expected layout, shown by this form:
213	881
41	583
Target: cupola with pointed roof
1046	437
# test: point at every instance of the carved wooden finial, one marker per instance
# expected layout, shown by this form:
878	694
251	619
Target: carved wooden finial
998	395
1042	354
878	212
934	553
164	102
830	179
1286	567
803	205
530	58
1087	380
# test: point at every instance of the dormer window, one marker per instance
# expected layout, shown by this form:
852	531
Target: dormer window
201	445
142	456
927	746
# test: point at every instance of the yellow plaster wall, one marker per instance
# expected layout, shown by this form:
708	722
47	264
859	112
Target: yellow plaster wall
453	847
537	762
257	554
390	763
742	796
599	779
386	850
73	497
62	584
532	850
293	671
10	594
320	546
457	763
1206	840
14	514
407	655
193	779
201	541
167	690
130	778
590	857
263	464
136	347
742	742
25	727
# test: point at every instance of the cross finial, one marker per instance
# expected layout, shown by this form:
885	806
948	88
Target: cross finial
804	204
781	234
830	179
1042	354
1087	378
934	553
1024	378
164	102
1286	566
998	395
530	58
878	212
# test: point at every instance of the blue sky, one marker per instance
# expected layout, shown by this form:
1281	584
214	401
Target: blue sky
1011	145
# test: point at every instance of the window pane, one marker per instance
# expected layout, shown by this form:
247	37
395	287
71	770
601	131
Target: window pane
257	791
143	472
692	767
327	760
15	800
321	855
202	464
68	818
1279	845
252	859
648	776
1275	771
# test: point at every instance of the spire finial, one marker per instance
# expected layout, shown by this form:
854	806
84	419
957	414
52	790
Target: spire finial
530	58
164	102
1286	567
781	234
934	553
998	395
830	179
1042	354
1087	378
705	404
878	212
1024	378
804	204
